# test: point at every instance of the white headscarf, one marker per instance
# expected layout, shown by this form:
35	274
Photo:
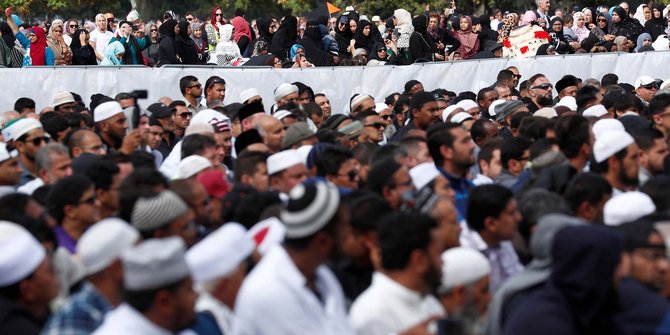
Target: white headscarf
404	26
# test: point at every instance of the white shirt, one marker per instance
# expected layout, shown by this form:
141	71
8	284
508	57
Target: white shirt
274	299
30	187
126	320
101	39
221	312
388	307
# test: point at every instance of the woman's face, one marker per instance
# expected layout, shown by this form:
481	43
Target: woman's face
647	41
353	25
587	16
219	15
381	53
457	56
88	37
647	13
366	31
464	24
72	26
57	32
176	29
190	30
277	63
101	22
616	18
198	32
657	13
602	22
557	26
120	56
300	51
153	31
580	21
32	37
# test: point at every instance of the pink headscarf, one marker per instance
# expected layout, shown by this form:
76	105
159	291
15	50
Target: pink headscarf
241	28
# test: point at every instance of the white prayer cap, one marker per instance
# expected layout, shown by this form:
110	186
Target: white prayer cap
191	165
304	152
467	104
199	128
448	111
283	160
61	98
609	143
492	107
627	207
284	90
380	106
158	211
133	15
463	266
4	154
104	242
106	110
154	263
22	127
20	253
358	100
665	84
220	253
569	102
546	112
267	234
282	113
248	94
207	116
642	81
376	18
595	111
310	208
604	125
423	174
460	117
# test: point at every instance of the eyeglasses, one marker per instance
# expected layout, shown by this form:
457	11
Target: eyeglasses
89	201
543	87
351	175
185	115
196	85
377	125
38	140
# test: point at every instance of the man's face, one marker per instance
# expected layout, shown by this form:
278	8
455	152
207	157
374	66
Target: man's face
168	123
655	156
503	92
543	5
324	103
517	76
111	198
402	182
367	104
374	128
274	134
184	228
155	137
427	115
66	108
216	92
650	265
289	178
226	142
259	179
570	91
303	98
647	92
219	148
292	97
182	117
540	91
184	305
194	89
416	89
201	204
61	167
10	172
463	148
481	295
87	211
347	175
448	229
117	125
489	98
209	152
662	120
43	284
385	115
34	140
630	166
507	222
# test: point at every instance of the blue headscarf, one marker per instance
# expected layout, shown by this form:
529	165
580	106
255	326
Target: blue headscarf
294	50
640	40
109	55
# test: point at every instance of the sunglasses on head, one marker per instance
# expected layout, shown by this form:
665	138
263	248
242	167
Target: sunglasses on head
38	140
543	87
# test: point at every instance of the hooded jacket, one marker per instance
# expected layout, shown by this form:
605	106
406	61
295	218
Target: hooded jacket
656	26
627	27
284	37
579	296
421	46
167	52
185	45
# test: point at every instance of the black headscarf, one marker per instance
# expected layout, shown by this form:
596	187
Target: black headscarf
167	28
285	36
76	44
7	34
420	24
363	41
263	25
183	33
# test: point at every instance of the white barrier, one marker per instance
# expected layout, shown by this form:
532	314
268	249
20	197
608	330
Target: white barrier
339	83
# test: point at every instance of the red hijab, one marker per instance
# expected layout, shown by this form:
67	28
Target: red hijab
241	28
37	48
213	21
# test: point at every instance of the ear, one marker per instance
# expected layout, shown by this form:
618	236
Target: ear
586	211
490	224
76	152
68	211
20	146
446	152
44	176
657	119
100	193
484	166
415	112
419	261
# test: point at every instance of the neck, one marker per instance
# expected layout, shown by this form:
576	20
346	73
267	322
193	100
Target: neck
108	289
179	132
578	162
408	280
38	311
306	264
106	212
73	228
108	140
490	240
159	319
191	99
452	169
29	164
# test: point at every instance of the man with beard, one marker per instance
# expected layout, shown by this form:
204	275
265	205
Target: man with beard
194	194
464	291
165	117
453	151
540	92
111	124
323	102
399	299
28	137
653	151
373	125
617	155
425	111
182	117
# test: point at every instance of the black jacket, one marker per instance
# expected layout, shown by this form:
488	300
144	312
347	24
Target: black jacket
14	319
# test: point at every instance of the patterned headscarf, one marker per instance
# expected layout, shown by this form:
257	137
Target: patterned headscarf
510	21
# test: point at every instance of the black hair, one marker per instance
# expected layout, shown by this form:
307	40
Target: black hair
176	103
381	174
247	163
142	182
102	173
390	98
503	76
142	300
400	234
53	123
604	166
478	129
486	201
330	160
645	138
195	144
590	187
249	209
536	203
185	82
311	108
609	79
366	208
142	159
535	127
513	148
517	118
625	102
391	150
658	189
659	103
439	135
571	132
486	152
482	93
585	95
66	191
22	103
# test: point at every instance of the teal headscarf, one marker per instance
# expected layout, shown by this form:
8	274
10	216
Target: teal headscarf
294	50
110	53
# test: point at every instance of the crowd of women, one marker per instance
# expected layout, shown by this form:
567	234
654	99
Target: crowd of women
319	40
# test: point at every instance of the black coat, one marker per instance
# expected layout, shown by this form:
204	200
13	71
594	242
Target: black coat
16	320
167	52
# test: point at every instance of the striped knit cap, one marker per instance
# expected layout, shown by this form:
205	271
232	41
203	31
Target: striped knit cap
157	211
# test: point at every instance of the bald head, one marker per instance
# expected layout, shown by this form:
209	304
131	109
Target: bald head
272	132
85	141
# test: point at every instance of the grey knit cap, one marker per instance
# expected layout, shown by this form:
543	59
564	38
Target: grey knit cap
157	211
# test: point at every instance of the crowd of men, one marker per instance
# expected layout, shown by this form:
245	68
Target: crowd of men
319	38
511	210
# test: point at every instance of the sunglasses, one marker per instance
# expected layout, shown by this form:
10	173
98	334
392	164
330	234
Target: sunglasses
385	117
74	26
351	175
543	87
517	76
381	50
38	140
196	85
650	86
89	201
152	30
218	14
110	20
602	20
185	115
377	125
